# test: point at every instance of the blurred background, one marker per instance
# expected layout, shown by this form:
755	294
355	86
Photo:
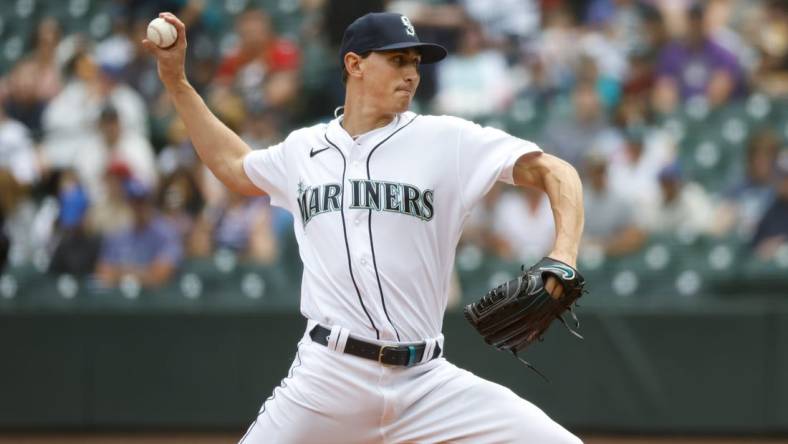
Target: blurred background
137	293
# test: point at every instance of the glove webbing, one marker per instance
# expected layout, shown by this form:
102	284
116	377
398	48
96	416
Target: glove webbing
563	322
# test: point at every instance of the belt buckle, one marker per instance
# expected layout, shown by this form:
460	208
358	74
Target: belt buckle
382	351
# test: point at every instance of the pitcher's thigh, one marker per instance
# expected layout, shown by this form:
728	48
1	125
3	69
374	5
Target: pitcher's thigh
287	422
469	409
516	420
321	400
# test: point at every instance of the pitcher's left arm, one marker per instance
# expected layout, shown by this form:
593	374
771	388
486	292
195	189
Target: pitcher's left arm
560	181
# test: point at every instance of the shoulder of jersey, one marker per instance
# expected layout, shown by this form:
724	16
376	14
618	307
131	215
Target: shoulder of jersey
304	139
317	129
444	121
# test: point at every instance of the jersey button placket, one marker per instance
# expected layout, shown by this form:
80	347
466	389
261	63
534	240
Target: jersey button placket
357	172
357	217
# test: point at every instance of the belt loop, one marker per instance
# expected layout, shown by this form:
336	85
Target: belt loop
429	349
344	334
338	338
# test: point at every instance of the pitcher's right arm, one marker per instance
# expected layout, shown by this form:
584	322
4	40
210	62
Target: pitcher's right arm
219	148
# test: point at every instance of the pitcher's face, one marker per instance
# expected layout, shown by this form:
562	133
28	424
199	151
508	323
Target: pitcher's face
391	78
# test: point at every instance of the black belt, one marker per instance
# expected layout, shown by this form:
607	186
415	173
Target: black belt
404	355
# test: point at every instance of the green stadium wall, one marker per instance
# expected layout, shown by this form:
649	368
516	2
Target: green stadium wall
670	366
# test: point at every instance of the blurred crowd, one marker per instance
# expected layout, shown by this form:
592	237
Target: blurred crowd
98	177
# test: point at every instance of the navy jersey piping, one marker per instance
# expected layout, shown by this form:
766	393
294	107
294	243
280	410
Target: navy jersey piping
371	243
344	232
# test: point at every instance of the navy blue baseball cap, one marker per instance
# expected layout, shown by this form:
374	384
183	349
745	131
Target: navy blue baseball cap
385	31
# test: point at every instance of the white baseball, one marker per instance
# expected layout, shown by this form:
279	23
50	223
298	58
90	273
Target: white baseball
162	33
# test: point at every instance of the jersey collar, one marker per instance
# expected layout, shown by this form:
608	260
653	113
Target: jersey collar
337	134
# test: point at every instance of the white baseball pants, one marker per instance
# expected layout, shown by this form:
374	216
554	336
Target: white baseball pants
331	397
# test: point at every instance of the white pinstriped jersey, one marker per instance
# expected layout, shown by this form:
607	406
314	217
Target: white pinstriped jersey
378	218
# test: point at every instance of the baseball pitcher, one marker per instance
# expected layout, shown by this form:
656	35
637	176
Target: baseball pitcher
379	197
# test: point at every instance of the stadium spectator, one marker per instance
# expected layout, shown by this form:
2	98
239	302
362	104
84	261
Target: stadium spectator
772	232
698	66
610	219
721	19
683	206
744	204
35	80
241	225
71	117
636	163
17	153
281	91
473	82
179	152
131	107
770	37
505	21
117	49
608	87
639	80
28	223
76	249
633	111
262	128
556	47
569	135
27	220
655	29
523	221
609	57
622	20
149	251
180	200
532	81
114	145
260	53
65	129
111	213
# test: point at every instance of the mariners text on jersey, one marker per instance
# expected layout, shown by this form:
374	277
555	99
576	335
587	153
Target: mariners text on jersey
367	195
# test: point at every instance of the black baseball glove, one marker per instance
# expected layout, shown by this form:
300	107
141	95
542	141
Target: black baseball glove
517	313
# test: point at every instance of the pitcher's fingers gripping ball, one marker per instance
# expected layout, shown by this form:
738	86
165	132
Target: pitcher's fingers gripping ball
517	313
162	33
171	60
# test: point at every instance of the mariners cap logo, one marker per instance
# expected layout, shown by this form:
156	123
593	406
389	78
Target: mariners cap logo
409	29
